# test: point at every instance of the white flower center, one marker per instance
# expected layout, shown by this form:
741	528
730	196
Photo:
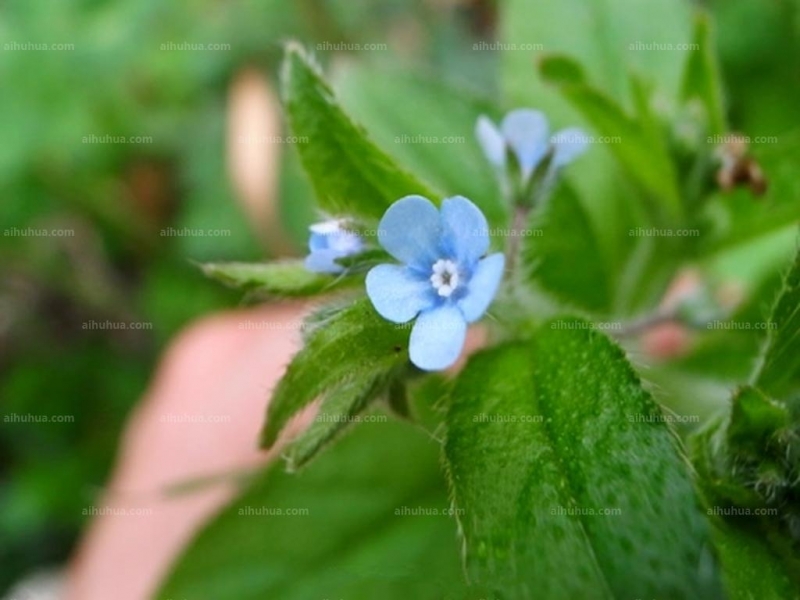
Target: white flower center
445	277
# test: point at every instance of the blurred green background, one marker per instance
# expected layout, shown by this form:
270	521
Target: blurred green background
117	80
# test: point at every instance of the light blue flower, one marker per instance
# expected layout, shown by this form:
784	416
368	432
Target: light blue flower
330	240
525	134
445	281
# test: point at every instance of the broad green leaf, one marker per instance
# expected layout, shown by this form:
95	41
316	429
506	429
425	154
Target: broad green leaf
369	524
778	374
563	237
701	76
350	347
349	173
640	151
571	485
282	278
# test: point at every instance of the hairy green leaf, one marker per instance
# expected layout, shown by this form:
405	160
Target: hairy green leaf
571	483
778	374
349	347
281	278
349	173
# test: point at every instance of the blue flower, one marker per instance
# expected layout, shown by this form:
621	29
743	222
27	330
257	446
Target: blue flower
330	240
525	134
445	281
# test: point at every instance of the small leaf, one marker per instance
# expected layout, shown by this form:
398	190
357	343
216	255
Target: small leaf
349	173
351	347
339	409
540	429
778	374
701	76
282	278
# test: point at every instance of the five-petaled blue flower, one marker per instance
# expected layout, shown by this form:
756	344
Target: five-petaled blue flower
445	278
525	133
330	240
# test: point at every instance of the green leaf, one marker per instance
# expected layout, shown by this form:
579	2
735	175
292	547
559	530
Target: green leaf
429	125
778	373
641	152
350	347
750	569
356	535
543	437
282	278
350	174
564	237
701	76
339	409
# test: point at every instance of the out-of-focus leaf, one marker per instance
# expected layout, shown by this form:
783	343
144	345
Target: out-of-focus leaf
563	237
368	520
701	76
639	150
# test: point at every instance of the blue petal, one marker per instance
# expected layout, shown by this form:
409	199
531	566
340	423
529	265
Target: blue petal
322	261
317	241
525	132
410	230
465	230
491	141
437	338
568	144
397	293
482	287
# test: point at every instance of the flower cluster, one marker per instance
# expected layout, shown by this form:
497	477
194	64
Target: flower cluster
445	279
